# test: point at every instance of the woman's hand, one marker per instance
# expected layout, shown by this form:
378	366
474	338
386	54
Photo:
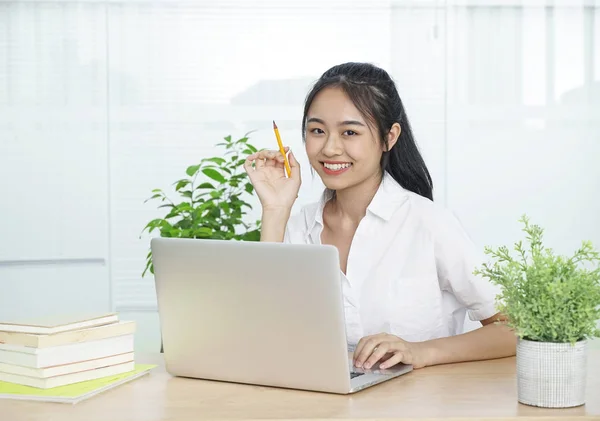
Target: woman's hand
389	350
274	189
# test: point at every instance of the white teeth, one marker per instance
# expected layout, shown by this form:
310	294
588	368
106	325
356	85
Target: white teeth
336	167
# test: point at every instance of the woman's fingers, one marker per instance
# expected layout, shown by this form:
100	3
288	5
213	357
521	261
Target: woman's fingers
385	349
276	162
294	166
268	159
267	154
259	163
248	165
365	348
393	360
377	354
359	347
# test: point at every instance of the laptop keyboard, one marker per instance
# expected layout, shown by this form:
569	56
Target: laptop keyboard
354	374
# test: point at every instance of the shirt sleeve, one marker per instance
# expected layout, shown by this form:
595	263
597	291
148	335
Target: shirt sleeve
456	259
295	229
287	239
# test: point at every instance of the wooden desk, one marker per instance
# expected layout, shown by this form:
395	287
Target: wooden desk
477	390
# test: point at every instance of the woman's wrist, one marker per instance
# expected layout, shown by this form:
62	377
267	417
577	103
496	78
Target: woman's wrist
273	223
427	353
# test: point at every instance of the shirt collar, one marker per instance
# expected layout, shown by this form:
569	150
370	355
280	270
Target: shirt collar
388	198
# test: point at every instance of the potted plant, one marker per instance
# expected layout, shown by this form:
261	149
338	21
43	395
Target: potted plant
211	202
552	303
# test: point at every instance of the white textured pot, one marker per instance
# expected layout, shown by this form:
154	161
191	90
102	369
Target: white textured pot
551	375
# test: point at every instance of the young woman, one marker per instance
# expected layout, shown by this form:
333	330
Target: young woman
406	263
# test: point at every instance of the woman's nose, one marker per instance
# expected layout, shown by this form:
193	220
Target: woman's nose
333	146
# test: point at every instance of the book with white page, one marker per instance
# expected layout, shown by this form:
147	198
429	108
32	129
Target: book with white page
67	337
57	323
67	379
65	354
59	370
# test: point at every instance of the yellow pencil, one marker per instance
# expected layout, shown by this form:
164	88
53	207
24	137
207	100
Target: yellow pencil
285	160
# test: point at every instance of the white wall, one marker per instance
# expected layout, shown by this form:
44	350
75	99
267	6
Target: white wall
102	102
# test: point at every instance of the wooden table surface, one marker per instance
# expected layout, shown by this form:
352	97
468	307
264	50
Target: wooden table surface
477	390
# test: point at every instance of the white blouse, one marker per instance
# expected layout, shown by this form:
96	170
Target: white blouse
410	267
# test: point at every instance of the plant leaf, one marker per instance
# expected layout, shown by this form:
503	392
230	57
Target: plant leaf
192	170
216	160
203	232
214	174
182	183
157	195
205	186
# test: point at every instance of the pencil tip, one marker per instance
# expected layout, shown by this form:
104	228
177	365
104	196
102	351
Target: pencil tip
274	125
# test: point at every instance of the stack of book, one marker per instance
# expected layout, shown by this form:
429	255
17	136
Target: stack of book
64	351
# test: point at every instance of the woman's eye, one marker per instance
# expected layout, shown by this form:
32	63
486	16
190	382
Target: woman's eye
350	133
317	131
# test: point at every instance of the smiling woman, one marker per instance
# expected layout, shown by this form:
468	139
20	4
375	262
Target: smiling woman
406	263
360	103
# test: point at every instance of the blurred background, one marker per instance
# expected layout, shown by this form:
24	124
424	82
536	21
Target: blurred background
103	101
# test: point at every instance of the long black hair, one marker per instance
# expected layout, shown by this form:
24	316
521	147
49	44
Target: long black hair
374	94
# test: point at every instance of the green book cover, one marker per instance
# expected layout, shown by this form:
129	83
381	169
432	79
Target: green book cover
72	393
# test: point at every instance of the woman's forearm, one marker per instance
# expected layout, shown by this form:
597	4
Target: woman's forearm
494	340
273	225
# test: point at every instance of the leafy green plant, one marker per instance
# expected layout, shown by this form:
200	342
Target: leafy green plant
547	297
212	201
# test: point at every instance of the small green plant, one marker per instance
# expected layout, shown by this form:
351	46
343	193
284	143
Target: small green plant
547	297
212	200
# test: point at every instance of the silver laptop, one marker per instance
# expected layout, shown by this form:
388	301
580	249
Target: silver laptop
256	313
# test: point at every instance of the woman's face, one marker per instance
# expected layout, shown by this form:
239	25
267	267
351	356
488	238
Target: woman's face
340	145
